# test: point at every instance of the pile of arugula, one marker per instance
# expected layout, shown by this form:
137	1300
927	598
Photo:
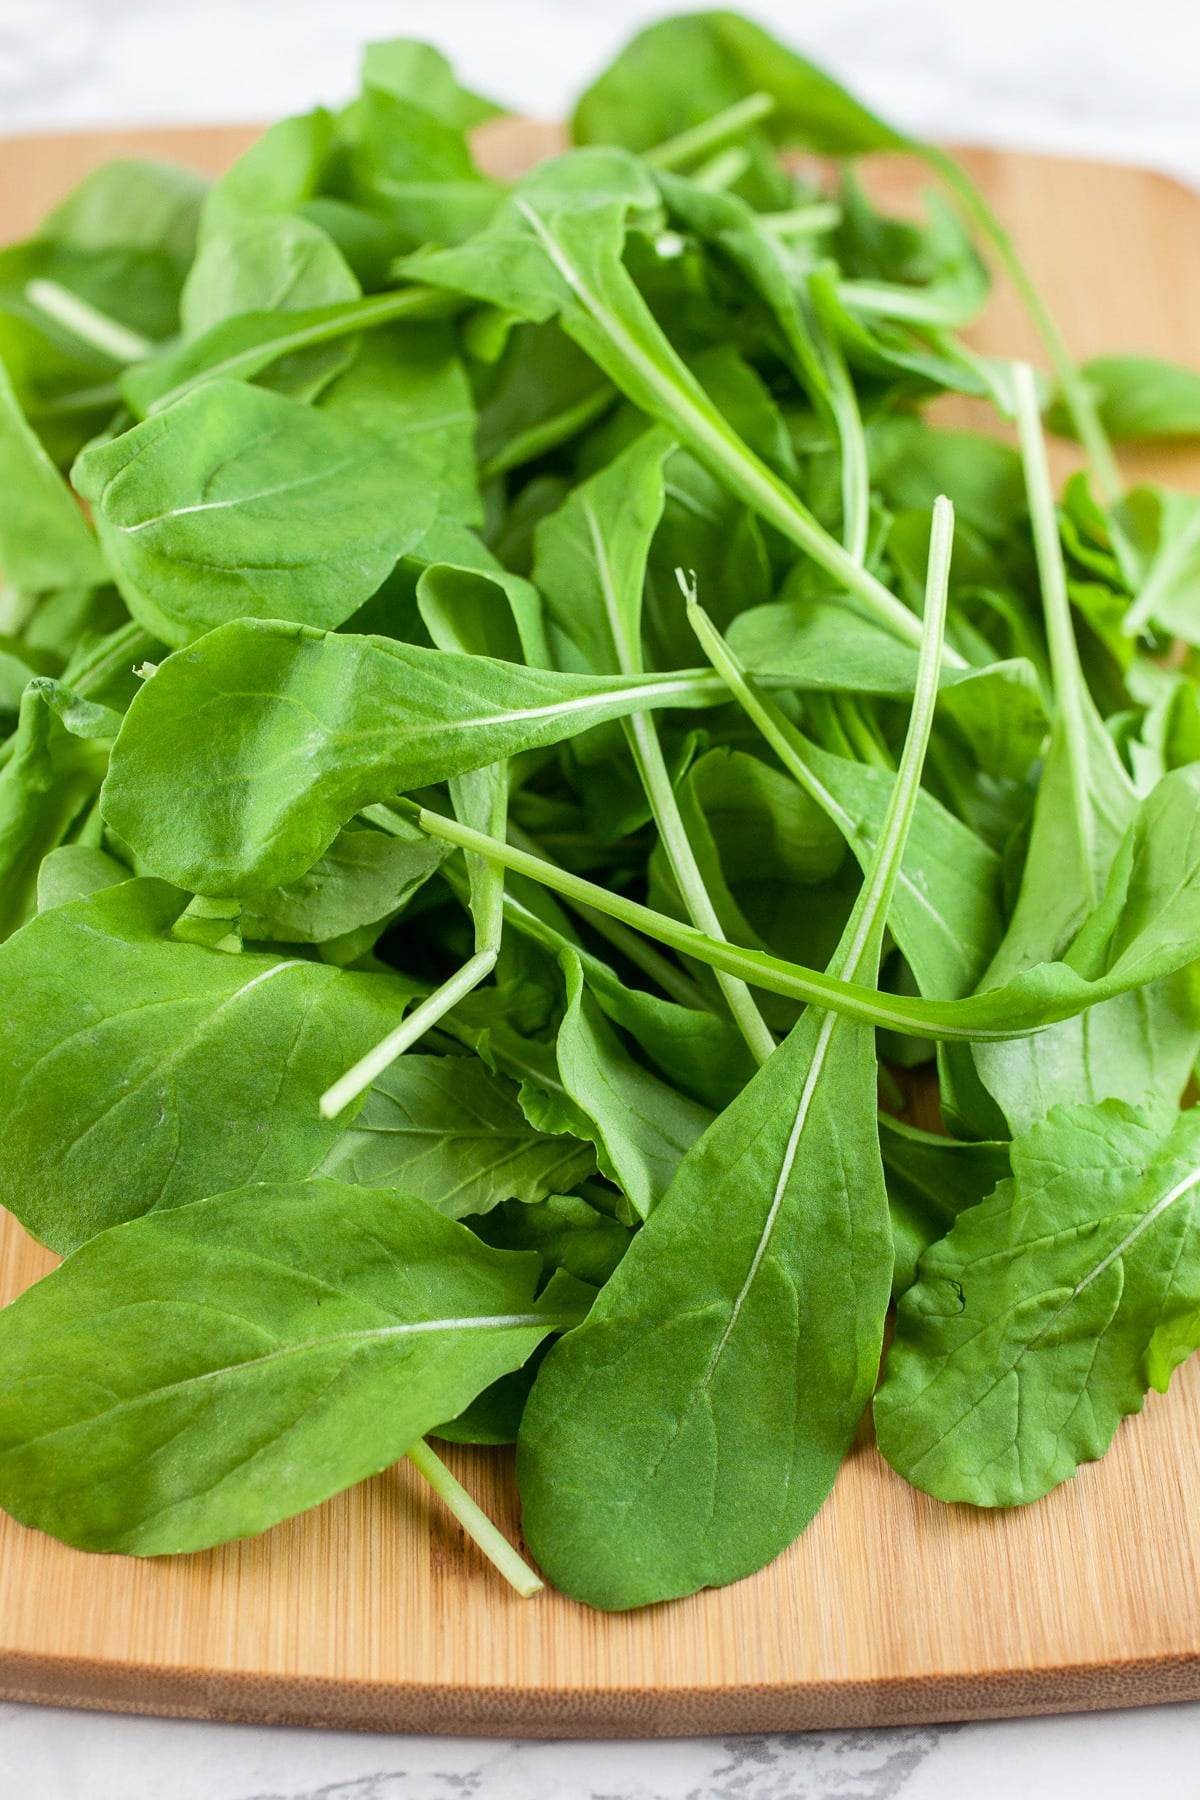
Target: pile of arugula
531	736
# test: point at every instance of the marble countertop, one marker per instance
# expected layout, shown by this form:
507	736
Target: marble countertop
1088	77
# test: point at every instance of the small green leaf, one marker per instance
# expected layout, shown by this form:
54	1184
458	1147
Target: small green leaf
450	1131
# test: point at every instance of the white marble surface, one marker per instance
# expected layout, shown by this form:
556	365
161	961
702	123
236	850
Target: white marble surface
1094	77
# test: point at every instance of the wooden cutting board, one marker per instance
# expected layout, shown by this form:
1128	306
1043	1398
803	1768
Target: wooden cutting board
374	1611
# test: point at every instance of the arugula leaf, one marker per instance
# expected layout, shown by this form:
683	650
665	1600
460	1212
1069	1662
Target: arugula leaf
364	878
266	264
680	71
272	264
931	1180
700	1053
407	386
45	542
240	348
634	1488
590	562
143	1073
554	248
1031	1001
74	871
1143	1042
262	1350
131	203
283	168
297	731
450	1131
53	775
1043	1317
398	486
640	1126
238	503
1138	397
566	1230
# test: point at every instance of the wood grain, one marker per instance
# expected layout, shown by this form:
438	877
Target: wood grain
374	1611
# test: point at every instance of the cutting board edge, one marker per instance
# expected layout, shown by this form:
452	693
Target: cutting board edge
531	1712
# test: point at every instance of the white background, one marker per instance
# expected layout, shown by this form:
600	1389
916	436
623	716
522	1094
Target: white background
1120	80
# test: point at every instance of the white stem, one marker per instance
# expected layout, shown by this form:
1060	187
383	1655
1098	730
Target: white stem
474	1521
434	1007
86	321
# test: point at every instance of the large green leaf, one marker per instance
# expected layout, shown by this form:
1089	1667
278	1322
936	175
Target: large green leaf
296	731
143	1073
261	1350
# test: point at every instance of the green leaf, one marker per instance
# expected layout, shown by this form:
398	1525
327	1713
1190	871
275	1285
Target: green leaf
700	1053
407	387
931	1180
242	347
74	871
143	1073
1161	529
420	73
45	542
543	391
640	1126
274	263
281	169
235	502
1030	1002
1043	1317
590	560
554	248
1084	816
567	1232
298	731
450	1131
131	203
269	263
410	163
262	1350
364	878
679	72
1143	1042
1138	397
649	1427
59	756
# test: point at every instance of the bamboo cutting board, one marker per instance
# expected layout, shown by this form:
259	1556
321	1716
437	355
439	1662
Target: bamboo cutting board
374	1610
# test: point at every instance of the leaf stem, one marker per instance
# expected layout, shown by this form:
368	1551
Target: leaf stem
642	737
656	779
88	323
802	221
643	956
341	320
1070	693
1075	391
434	1007
783	737
474	1521
978	1018
102	660
847	416
885	868
646	367
724	169
701	140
